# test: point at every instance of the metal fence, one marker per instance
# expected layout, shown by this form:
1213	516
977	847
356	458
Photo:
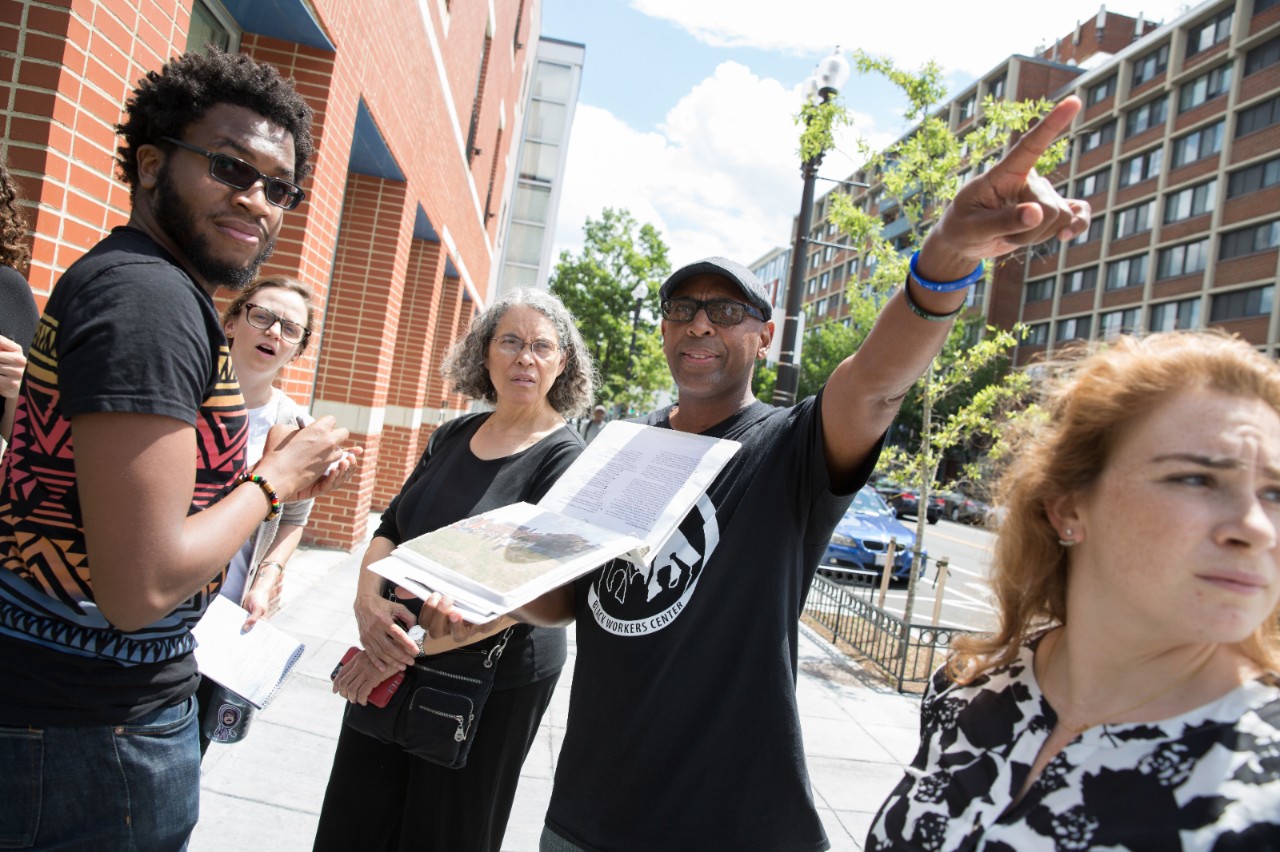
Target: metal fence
845	604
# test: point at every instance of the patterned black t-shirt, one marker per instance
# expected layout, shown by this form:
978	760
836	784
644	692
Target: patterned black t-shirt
1208	779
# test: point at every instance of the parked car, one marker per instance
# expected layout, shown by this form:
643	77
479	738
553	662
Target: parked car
905	501
963	509
861	540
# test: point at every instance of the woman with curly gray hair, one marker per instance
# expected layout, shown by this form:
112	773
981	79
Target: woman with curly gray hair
524	355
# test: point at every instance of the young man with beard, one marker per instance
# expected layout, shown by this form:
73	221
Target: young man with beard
124	493
683	731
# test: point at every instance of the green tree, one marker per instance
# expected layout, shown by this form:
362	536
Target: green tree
959	399
618	253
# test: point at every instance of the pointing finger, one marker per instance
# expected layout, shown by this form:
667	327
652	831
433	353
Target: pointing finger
1022	158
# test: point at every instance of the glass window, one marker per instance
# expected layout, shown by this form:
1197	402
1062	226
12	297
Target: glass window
1143	118
514	277
1206	87
1152	64
967	107
552	82
1079	280
1132	220
530	203
1038	291
1198	144
1248	240
1260	6
1101	91
538	161
996	88
1129	272
1263	56
1238	304
545	121
1094	183
1098	137
1075	328
1141	167
1258	117
1185	259
1096	227
210	24
1192	201
1172	316
1209	33
524	244
1116	323
1037	335
1253	178
976	293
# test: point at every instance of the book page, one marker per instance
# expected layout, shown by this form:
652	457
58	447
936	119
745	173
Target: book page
253	665
504	557
639	480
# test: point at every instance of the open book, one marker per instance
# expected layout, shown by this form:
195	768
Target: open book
253	665
623	497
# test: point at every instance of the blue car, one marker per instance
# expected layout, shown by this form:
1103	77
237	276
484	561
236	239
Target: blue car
861	540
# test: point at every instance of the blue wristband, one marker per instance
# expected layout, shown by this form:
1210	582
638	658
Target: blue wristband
946	286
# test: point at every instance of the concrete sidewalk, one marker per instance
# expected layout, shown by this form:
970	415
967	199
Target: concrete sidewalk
265	793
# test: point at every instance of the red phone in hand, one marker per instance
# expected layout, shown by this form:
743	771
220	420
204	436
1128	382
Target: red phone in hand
382	693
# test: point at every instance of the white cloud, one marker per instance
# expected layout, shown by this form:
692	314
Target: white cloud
721	175
967	37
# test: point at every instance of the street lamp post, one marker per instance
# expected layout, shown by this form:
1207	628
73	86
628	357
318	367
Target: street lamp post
638	293
826	82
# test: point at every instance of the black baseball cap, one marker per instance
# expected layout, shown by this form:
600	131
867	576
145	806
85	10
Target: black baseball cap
744	278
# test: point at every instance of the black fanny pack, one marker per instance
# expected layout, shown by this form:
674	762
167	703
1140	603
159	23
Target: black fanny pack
436	711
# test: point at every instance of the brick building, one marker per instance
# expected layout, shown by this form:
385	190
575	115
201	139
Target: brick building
418	108
1176	150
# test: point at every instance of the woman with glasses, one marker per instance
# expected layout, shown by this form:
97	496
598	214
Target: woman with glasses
523	355
268	327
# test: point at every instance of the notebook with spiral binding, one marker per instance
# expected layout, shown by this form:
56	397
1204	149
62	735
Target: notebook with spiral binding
253	664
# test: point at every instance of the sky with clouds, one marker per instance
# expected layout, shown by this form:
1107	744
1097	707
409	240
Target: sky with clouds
686	113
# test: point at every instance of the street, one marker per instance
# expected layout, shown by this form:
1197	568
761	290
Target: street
965	600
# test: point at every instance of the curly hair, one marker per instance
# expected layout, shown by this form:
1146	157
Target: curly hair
14	250
165	103
465	367
1094	396
281	282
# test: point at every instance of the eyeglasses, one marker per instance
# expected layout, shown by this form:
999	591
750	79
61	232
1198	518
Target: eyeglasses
509	344
719	311
238	174
259	317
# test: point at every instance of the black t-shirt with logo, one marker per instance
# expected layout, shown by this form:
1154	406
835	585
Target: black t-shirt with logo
683	730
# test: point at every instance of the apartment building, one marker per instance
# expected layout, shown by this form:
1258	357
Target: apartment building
1177	150
419	108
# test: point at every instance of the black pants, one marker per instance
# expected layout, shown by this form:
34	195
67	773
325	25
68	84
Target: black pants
383	800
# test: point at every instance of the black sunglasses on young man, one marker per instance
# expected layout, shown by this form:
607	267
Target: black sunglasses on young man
238	174
719	311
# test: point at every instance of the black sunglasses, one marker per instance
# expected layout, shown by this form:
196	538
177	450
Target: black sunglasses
719	311
238	174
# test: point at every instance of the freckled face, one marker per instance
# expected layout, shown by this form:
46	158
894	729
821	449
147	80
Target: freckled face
1180	531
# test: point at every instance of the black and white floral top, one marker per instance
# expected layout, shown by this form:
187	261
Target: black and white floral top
1209	779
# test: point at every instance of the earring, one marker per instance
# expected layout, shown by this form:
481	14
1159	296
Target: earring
1068	541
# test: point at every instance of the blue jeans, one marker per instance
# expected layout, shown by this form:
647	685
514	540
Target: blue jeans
108	787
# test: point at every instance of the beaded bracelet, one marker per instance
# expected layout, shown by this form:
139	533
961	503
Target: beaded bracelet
946	286
924	314
272	497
